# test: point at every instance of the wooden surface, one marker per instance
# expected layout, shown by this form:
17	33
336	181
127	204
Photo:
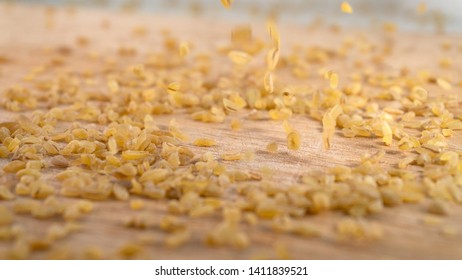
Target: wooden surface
28	41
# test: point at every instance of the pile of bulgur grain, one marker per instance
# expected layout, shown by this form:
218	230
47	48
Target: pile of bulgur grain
127	156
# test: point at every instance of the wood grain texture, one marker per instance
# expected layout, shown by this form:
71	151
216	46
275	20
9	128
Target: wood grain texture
27	42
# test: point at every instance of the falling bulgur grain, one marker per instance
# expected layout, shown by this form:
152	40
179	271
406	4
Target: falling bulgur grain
227	3
268	82
421	8
346	8
273	32
184	49
333	80
6	217
272	58
443	84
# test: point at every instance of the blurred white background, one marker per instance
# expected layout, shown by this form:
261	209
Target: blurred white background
439	14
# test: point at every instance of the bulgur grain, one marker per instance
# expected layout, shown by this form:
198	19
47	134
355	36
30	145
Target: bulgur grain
272	147
293	141
227	3
136	204
346	8
239	57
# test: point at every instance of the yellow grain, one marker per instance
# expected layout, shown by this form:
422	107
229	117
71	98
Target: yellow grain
272	58
321	202
201	211
154	175
171	224
443	84
5	193
239	57
287	127
236	124
173	87
184	49
177	238
130	250
293	141
128	170
403	163
136	204
85	206
267	209
333	80
51	148
387	133
120	192
249	156
306	230
227	3
272	147
230	105
418	93
273	32
134	155
231	156
112	146
14	166
431	220
280	114
329	123
4	152
92	253
346	8
438	207
268	82
251	218
421	8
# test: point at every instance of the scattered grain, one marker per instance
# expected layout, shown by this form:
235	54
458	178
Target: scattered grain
136	204
239	57
443	84
177	238
439	207
293	141
231	156
272	147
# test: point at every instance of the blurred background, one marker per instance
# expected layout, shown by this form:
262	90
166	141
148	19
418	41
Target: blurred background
411	15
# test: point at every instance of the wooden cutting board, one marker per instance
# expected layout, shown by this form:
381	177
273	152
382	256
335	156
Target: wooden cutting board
32	35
